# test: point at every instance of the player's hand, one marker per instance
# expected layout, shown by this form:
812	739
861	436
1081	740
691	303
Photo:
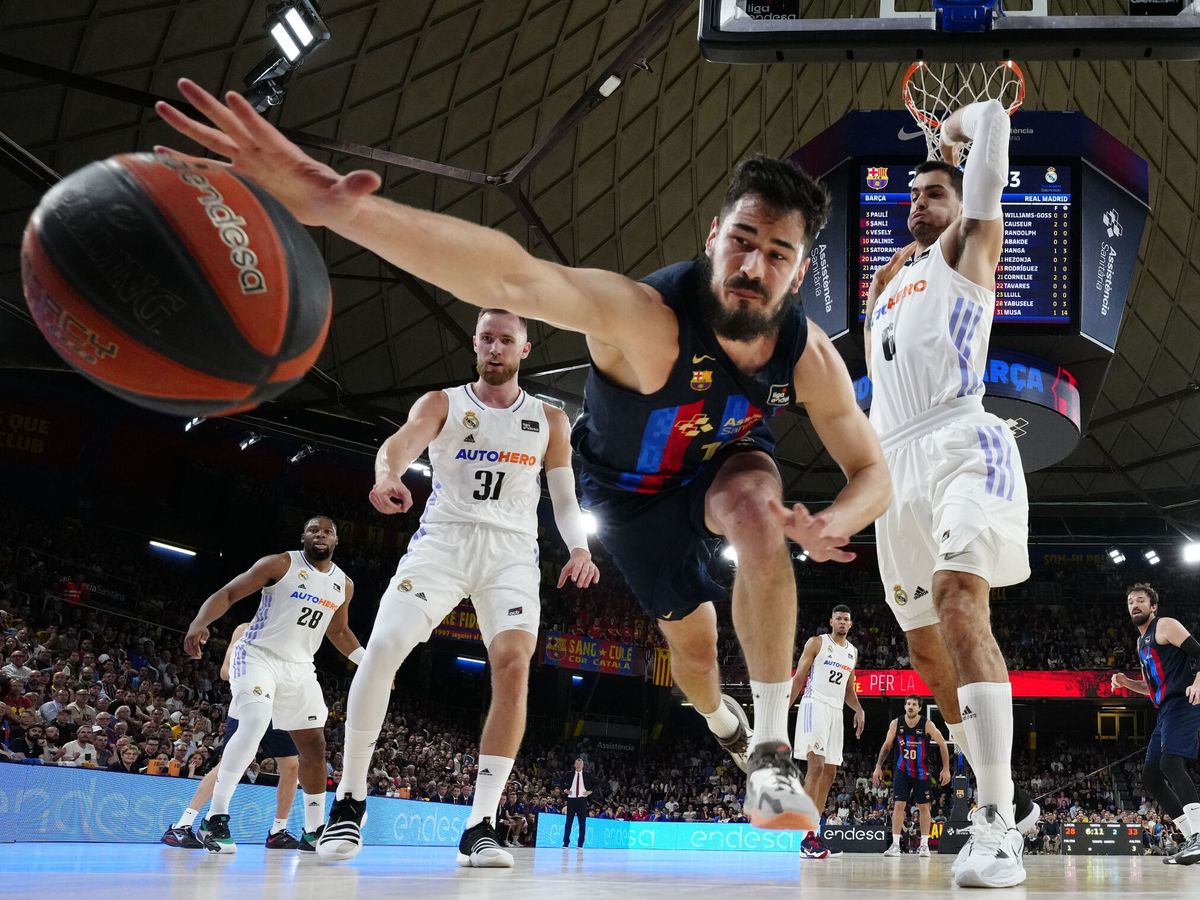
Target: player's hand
390	496
944	778
888	271
1193	692
312	191
877	775
1120	681
580	570
195	639
820	535
860	721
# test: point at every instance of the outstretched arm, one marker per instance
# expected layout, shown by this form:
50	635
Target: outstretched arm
425	420
266	571
804	666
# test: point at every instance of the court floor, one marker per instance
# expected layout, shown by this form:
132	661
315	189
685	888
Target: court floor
124	870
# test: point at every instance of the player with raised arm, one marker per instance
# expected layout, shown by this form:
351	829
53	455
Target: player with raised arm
1170	658
825	675
958	524
305	598
910	774
688	365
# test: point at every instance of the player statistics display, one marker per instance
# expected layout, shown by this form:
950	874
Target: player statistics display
1033	280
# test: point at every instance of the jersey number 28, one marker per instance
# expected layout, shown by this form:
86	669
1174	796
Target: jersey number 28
310	617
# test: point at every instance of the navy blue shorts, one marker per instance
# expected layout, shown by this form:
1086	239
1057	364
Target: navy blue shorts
659	542
275	743
1177	731
906	789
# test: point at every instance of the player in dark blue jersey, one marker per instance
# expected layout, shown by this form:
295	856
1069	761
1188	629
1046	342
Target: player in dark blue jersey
910	775
1170	657
686	365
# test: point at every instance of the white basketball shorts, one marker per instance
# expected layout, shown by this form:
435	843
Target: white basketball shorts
256	675
959	504
819	729
497	569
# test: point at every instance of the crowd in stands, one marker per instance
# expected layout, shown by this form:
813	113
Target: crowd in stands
100	682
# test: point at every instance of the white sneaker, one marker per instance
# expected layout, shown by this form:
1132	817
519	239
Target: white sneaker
1026	825
775	798
892	850
924	851
737	745
995	853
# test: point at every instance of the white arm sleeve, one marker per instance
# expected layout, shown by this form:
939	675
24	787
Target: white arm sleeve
987	125
567	515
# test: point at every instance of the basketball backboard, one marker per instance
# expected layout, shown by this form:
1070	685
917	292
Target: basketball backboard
799	31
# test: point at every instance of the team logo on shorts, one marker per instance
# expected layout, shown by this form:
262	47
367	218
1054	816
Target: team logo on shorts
516	610
257	691
702	379
470	420
404	586
920	592
898	595
819	747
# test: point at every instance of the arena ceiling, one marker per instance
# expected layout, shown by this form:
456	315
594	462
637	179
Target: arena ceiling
489	110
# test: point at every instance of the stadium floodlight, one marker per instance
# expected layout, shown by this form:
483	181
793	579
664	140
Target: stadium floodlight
418	466
249	440
1116	555
1191	553
590	523
1152	557
729	553
800	554
172	548
305	451
297	29
470	662
192	423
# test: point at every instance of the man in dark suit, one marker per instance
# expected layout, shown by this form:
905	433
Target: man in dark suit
577	804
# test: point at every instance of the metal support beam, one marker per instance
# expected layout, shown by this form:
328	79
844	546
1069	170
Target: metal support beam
1192	390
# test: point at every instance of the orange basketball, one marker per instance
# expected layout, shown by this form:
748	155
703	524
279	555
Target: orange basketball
175	285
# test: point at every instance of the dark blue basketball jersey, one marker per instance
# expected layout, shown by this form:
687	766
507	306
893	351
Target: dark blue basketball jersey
911	758
1167	669
649	443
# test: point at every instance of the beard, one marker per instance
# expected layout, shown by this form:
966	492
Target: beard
738	324
318	554
495	377
1139	619
926	233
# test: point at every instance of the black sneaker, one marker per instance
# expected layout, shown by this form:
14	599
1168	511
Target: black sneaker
217	838
308	839
775	798
282	840
182	836
341	836
480	848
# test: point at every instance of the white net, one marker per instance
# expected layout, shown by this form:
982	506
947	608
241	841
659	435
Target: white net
934	90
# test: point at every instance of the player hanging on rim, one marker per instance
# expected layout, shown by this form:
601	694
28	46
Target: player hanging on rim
276	744
489	442
687	367
305	598
825	674
910	774
959	522
1170	658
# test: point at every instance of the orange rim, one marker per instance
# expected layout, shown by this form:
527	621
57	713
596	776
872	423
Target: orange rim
931	121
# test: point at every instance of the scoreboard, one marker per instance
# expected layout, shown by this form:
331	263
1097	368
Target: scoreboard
1101	839
1034	278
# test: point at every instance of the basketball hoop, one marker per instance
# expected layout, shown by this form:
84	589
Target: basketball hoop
934	90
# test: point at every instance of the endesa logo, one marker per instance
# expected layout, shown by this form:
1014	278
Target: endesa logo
916	287
497	456
306	597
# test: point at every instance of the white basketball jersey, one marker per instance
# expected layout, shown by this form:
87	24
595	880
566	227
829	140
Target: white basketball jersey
929	340
831	671
295	611
487	463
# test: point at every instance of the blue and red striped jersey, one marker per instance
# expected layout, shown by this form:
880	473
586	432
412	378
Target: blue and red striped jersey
911	753
648	443
1167	669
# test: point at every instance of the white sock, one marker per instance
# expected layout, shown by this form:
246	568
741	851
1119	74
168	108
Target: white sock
1189	822
314	811
958	734
489	788
721	721
356	760
895	840
770	711
188	817
988	724
924	840
278	826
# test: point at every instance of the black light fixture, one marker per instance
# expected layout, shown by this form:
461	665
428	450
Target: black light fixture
1115	554
192	423
306	450
249	440
297	29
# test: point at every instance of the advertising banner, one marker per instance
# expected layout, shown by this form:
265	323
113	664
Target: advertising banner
460	624
573	651
1060	685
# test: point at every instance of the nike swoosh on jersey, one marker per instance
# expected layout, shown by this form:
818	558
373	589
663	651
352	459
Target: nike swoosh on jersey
696	360
909	135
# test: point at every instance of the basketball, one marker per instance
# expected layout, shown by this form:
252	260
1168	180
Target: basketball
175	284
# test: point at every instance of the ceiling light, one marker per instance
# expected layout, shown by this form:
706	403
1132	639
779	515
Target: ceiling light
192	423
249	440
729	553
1116	555
306	450
417	466
590	523
1152	557
172	548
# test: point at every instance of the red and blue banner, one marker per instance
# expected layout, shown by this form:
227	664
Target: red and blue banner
573	651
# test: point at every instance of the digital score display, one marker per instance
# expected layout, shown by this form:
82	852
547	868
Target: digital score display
1101	839
1033	279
